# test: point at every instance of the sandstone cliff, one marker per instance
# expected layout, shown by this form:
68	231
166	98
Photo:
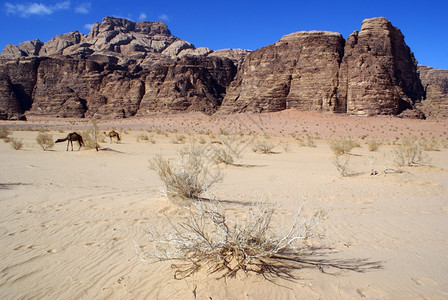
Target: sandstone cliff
120	69
123	68
371	73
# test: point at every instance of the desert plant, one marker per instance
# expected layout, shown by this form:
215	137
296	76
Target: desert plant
16	144
429	145
189	177
373	145
45	140
227	149
342	164
343	146
178	139
209	238
409	153
263	147
306	141
89	140
4	133
142	137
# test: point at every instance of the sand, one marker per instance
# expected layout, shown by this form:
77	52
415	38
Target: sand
70	220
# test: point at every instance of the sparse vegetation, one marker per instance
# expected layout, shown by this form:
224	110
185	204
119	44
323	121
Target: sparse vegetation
178	139
342	164
227	150
264	147
343	146
45	140
373	145
4	134
409	153
16	144
189	177
209	238
89	140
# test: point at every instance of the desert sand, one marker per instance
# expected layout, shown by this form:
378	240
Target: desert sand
70	220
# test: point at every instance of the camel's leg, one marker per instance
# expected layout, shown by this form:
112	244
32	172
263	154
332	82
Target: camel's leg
71	143
79	145
68	142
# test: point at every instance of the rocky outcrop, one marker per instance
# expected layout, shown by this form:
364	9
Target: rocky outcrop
120	69
123	68
372	73
378	74
300	71
435	83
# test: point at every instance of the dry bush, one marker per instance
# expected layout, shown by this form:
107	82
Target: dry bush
373	145
4	133
89	140
16	144
342	164
343	146
189	177
429	145
45	140
210	239
306	141
178	139
227	150
409	153
263	147
142	137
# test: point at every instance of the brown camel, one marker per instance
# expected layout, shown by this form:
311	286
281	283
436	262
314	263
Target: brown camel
113	134
71	137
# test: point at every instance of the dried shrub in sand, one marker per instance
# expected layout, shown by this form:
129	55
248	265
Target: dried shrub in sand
16	144
208	238
343	146
227	150
409	153
264	147
373	145
4	134
189	177
342	164
45	140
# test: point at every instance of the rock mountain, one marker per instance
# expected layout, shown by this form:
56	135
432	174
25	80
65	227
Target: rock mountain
123	69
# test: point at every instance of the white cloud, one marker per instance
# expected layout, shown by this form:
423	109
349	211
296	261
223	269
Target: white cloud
88	26
29	9
84	8
142	16
164	17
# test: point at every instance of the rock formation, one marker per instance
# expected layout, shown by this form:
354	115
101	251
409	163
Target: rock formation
435	83
123	69
372	73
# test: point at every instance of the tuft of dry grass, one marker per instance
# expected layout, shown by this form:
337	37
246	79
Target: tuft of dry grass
16	144
343	146
409	153
373	145
45	140
189	177
264	147
209	238
4	134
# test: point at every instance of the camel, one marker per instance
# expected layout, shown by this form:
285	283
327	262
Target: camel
70	138
113	134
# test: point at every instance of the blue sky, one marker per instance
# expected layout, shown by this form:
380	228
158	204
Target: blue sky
234	24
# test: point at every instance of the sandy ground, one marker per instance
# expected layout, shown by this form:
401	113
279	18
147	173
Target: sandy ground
69	220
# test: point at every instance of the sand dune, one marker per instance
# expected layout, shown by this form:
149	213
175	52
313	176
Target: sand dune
69	219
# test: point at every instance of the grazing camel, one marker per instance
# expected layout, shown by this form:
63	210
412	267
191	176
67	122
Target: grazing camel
113	134
70	138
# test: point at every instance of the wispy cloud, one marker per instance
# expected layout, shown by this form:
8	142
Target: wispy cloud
88	26
39	9
142	16
164	17
83	8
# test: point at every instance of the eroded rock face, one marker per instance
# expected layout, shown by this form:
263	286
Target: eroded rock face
299	71
435	83
378	74
122	69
